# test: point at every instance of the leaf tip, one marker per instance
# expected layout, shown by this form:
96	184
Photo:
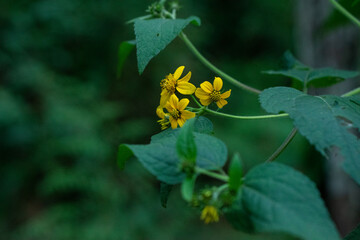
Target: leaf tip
124	153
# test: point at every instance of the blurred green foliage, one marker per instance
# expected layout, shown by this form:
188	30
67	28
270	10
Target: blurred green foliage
63	113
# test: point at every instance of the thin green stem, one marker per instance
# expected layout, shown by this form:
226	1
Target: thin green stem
212	174
196	101
345	12
283	145
352	92
222	172
215	69
245	117
219	190
139	18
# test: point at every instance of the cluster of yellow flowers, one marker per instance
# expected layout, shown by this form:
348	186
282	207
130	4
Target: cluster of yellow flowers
209	214
176	114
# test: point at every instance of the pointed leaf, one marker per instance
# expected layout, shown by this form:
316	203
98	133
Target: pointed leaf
321	77
125	48
160	157
154	35
276	198
235	173
187	188
326	121
165	190
124	153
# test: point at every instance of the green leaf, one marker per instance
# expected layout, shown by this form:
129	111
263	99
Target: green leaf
185	144
354	235
154	35
202	125
125	48
278	198
124	153
290	62
160	157
298	74
235	173
165	190
187	188
321	77
326	121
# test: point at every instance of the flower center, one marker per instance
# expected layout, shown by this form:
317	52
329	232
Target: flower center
175	114
168	83
215	96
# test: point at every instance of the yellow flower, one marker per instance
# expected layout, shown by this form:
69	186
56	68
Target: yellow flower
177	112
164	121
172	83
208	93
209	214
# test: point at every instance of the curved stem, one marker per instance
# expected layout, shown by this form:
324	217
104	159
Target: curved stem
215	69
196	101
352	92
283	145
245	117
219	190
345	12
212	174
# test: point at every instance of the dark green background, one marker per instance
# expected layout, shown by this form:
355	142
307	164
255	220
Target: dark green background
63	113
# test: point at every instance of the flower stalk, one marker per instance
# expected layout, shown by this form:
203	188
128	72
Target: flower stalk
212	174
246	117
215	69
345	12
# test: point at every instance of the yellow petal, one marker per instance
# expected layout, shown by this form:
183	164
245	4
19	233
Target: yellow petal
178	72
160	112
218	83
182	104
185	88
168	107
205	102
174	101
201	94
163	92
173	122
207	87
186	78
181	122
165	96
221	103
187	114
226	94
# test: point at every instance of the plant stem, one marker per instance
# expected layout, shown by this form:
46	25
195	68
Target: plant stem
196	101
212	174
219	190
352	92
215	69
345	12
283	145
245	117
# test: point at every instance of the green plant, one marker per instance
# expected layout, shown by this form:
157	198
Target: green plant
271	197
